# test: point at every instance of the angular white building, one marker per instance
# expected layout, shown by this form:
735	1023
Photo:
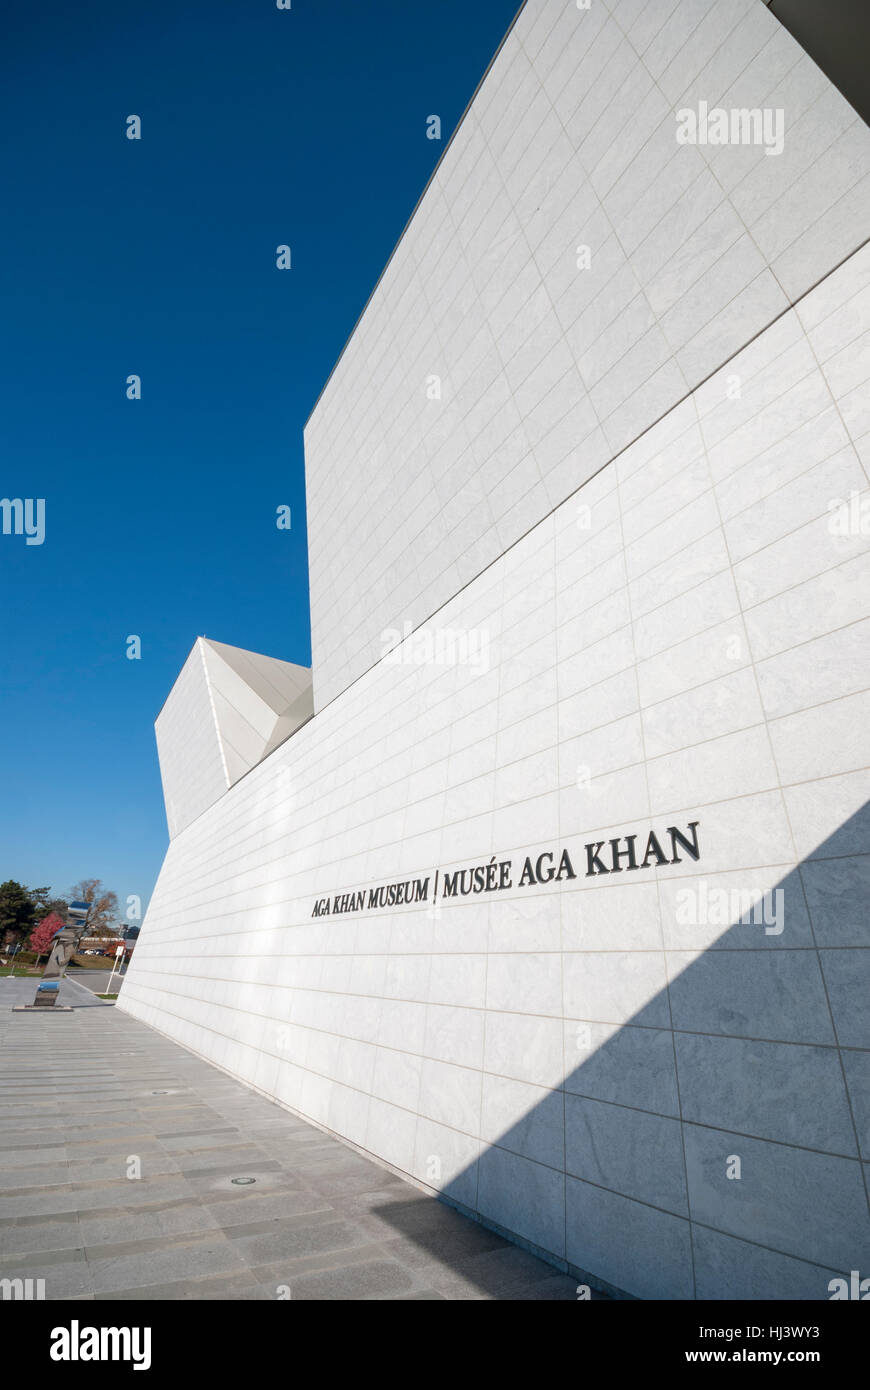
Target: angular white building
558	904
226	712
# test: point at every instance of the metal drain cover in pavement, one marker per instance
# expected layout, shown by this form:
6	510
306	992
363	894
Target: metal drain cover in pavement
242	1182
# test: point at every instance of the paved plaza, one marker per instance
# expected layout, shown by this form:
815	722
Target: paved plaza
90	1096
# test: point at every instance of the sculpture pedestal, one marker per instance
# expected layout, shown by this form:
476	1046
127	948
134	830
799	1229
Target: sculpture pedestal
46	998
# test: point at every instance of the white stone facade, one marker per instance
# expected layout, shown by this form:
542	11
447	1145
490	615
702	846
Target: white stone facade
547	371
227	711
646	605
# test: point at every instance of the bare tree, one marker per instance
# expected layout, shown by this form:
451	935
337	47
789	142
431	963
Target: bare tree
102	907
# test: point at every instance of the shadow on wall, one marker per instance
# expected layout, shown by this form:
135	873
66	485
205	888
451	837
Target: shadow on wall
711	1146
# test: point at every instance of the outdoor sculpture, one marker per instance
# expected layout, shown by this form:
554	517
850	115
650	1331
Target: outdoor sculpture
63	947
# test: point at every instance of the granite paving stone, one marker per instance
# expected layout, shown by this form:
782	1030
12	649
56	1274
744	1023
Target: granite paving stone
86	1092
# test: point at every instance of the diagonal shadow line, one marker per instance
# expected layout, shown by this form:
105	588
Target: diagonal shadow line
758	1050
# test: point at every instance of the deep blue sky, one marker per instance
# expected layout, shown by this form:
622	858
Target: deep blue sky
157	257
